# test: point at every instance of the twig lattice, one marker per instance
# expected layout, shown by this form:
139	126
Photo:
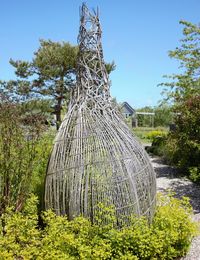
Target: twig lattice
95	157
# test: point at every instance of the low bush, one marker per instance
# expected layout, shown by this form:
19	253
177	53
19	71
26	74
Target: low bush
147	135
194	174
167	237
25	144
155	133
181	147
42	151
180	151
158	146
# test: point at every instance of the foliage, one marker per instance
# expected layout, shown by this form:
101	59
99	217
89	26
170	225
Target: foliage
42	149
110	67
17	154
158	141
23	154
173	227
50	75
187	83
29	105
194	173
145	120
155	133
168	237
158	147
183	144
38	107
148	134
162	117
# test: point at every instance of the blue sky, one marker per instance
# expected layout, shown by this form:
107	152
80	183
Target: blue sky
137	35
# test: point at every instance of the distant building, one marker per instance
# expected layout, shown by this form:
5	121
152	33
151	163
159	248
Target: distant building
127	110
132	115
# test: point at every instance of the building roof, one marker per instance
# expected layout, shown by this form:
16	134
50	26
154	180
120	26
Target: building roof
125	104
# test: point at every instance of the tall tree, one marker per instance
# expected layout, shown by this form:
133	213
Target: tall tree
50	73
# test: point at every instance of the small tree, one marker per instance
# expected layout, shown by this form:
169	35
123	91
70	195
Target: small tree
187	83
184	91
18	139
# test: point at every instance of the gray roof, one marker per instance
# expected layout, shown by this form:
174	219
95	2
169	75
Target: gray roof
126	105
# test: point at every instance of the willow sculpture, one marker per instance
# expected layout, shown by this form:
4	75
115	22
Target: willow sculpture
95	157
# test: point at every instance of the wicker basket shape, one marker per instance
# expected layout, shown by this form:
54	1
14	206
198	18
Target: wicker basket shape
95	157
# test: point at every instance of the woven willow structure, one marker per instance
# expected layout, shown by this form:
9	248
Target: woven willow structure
95	157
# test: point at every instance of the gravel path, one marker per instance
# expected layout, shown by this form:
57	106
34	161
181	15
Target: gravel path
167	179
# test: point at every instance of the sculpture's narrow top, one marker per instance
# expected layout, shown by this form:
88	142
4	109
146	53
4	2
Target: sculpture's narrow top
92	78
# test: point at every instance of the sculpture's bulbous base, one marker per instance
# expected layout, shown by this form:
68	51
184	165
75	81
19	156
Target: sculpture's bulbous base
95	159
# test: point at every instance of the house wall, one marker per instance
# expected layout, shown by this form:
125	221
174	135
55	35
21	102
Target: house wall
126	111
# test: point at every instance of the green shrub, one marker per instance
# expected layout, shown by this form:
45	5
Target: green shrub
42	150
19	136
25	144
158	146
194	174
173	228
155	133
182	146
181	151
167	237
147	135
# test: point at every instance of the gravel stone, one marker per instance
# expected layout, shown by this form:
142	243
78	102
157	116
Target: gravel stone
168	178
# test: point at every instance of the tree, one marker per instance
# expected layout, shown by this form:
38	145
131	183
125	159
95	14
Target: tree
186	83
184	91
49	75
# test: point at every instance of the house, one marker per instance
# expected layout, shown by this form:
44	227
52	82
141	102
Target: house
127	110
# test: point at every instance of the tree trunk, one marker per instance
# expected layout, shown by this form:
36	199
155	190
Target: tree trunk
58	112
